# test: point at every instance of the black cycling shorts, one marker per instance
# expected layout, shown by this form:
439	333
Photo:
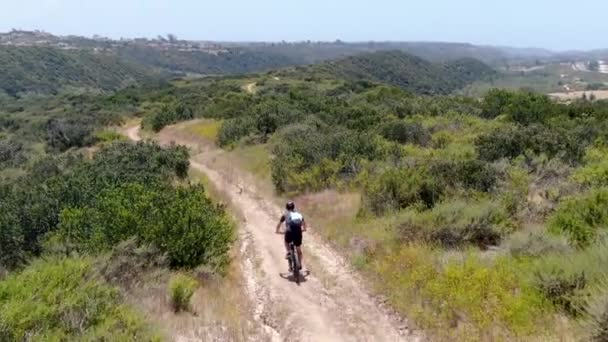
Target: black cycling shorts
295	236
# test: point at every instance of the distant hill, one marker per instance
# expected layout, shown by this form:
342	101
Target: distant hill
314	52
227	61
213	57
409	72
48	70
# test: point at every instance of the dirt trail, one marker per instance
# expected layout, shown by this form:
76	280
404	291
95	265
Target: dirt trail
250	88
133	133
329	305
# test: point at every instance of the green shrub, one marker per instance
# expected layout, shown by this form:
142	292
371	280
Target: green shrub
484	295
596	320
563	290
512	141
595	170
166	115
144	162
306	158
12	153
181	222
458	299
128	261
563	141
469	174
523	107
514	188
12	253
495	102
181	290
582	217
33	203
566	279
536	244
232	130
60	300
396	189
65	134
406	133
456	223
321	176
109	136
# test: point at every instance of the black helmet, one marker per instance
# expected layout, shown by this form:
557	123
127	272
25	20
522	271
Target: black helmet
290	205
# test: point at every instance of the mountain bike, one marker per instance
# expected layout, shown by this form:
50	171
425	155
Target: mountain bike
294	262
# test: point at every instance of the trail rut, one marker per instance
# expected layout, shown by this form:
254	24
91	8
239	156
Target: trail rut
330	304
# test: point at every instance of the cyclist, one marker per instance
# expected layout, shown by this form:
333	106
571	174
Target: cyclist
294	226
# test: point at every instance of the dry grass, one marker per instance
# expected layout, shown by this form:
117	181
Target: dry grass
330	213
253	159
218	309
206	129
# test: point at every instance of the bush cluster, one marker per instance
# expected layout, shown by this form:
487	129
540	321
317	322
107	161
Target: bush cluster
181	290
460	299
510	142
582	218
168	114
61	299
306	158
405	133
426	184
455	224
182	223
401	188
125	191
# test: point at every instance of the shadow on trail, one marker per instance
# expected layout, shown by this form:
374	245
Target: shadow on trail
289	276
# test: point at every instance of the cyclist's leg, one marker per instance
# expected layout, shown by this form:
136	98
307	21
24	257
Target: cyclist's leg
297	240
288	239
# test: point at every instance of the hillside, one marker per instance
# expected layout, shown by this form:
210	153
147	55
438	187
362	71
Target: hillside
314	52
468	215
409	72
476	218
48	70
232	61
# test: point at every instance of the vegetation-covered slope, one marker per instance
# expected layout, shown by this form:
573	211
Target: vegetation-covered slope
49	70
480	220
233	61
409	72
314	52
72	193
62	300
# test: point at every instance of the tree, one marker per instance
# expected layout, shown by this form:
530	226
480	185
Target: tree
172	38
594	66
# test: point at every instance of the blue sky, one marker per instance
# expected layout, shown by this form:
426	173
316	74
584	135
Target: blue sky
555	24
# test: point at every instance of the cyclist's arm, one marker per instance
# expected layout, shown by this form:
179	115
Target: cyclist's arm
278	230
304	228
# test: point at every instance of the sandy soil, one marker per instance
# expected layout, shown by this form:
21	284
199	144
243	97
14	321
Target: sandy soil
599	95
331	303
250	88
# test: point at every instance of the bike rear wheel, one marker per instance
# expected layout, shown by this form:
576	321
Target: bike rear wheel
295	263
